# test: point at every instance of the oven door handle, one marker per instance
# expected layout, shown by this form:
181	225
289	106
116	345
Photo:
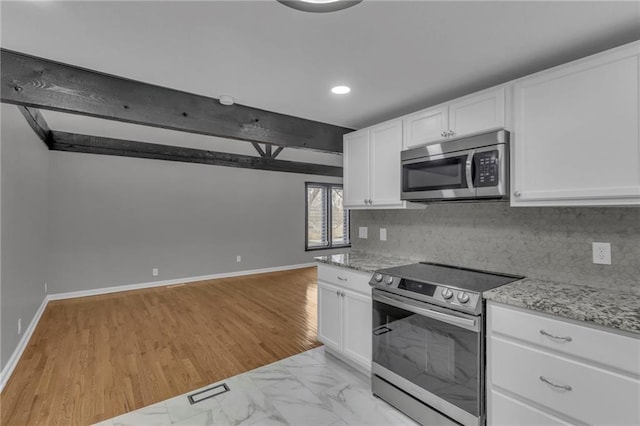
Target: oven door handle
467	323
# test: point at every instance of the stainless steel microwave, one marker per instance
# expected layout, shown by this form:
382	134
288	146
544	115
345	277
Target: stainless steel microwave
466	169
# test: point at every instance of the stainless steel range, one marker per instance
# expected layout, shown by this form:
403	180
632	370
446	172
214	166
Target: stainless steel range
429	343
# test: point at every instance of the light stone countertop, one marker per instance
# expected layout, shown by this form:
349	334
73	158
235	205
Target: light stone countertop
614	308
363	261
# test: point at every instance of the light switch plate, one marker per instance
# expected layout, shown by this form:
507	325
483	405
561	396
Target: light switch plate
362	232
383	234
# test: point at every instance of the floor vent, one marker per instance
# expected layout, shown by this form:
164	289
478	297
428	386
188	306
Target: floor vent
194	398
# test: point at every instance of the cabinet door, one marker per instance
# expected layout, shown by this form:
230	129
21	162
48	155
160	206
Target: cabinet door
357	327
330	316
571	387
425	126
576	136
356	168
477	113
386	143
506	411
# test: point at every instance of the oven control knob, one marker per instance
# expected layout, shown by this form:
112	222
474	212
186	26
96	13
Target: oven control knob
378	277
447	293
463	297
388	280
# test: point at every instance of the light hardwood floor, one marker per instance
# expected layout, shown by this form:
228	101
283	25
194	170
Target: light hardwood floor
93	358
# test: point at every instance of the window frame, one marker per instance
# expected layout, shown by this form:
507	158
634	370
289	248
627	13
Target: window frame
328	206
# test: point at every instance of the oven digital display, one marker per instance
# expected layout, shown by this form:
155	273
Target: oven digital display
417	287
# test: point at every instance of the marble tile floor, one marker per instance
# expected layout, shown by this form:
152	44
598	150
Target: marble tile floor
308	389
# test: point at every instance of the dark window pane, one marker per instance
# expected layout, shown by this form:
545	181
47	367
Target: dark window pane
327	219
317	232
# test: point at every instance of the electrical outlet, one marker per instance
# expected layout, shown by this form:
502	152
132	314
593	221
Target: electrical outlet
383	234
154	272
362	232
602	253
238	259
19	326
45	288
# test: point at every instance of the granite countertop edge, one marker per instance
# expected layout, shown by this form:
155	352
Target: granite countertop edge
363	261
616	308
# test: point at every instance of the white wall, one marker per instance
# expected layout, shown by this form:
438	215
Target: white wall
113	219
23	175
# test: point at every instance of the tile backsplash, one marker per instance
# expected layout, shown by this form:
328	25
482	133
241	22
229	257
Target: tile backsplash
547	243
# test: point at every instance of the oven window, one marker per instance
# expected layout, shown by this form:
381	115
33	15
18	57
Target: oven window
438	357
448	173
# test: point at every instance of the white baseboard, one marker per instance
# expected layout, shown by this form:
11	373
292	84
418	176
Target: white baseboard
6	372
22	344
187	280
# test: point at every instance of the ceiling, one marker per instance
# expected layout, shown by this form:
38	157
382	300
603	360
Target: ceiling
397	56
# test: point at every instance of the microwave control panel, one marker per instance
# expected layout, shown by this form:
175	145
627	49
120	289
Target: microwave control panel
486	168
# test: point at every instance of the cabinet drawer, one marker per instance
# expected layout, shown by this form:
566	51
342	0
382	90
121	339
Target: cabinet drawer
610	349
506	411
345	278
596	396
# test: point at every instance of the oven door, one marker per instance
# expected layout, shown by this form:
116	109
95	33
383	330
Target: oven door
437	177
432	353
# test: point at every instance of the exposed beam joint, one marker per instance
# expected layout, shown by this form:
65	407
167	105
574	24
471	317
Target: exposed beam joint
277	151
41	83
72	142
259	149
38	124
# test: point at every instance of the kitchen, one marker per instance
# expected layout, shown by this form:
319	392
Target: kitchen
542	234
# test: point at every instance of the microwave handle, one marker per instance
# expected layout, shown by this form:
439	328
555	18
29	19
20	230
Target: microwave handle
469	168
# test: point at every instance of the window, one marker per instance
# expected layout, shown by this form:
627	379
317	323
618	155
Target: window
327	221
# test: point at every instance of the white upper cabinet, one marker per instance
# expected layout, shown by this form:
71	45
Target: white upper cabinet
372	176
425	126
356	168
576	139
475	113
386	144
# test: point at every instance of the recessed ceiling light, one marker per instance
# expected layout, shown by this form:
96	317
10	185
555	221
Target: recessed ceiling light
341	90
319	6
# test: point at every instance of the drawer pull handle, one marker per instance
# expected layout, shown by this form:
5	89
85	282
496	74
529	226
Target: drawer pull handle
341	278
566	339
550	383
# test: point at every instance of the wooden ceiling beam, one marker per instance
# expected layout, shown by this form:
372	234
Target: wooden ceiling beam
72	142
41	83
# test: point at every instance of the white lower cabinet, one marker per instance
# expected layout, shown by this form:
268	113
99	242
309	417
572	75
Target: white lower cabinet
537	376
329	316
357	327
508	411
344	314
